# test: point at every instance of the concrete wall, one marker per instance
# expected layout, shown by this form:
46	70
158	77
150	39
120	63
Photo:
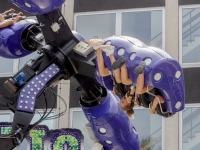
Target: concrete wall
172	27
172	47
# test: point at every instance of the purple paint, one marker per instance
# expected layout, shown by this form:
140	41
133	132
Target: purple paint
172	88
57	134
37	6
28	94
9	48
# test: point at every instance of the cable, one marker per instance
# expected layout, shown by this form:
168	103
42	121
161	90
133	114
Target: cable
44	115
60	114
9	136
50	110
39	113
40	120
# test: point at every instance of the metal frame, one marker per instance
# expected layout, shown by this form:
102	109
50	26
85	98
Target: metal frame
181	124
184	65
119	18
136	108
158	100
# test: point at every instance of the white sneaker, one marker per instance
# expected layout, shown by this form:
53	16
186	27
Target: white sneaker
97	146
108	49
96	43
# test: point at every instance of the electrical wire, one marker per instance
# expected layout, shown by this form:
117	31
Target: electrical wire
9	136
60	114
50	110
40	120
39	113
45	115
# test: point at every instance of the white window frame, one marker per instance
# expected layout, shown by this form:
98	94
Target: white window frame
96	13
14	69
119	18
78	109
185	65
2	112
181	123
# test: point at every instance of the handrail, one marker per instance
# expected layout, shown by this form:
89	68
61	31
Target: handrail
156	36
156	131
152	143
191	129
191	20
158	43
186	109
191	30
188	13
191	116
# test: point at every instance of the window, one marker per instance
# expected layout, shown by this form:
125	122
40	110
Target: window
189	36
8	69
101	25
190	128
6	116
146	25
143	25
149	128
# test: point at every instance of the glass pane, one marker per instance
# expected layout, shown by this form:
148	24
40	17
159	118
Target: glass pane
24	60
5	117
149	128
145	26
8	68
96	25
191	128
78	116
191	35
48	123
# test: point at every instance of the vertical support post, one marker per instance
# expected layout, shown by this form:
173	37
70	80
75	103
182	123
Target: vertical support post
172	47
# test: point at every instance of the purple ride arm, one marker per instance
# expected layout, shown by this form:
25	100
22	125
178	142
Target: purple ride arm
171	82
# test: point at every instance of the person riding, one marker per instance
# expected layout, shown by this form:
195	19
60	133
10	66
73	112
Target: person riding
136	96
8	22
155	100
123	88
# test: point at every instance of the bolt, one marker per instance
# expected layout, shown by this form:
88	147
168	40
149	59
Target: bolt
11	102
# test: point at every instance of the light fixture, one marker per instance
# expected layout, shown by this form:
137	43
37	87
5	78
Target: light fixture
157	76
132	56
121	51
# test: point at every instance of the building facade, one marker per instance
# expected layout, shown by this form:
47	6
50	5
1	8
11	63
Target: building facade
172	25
